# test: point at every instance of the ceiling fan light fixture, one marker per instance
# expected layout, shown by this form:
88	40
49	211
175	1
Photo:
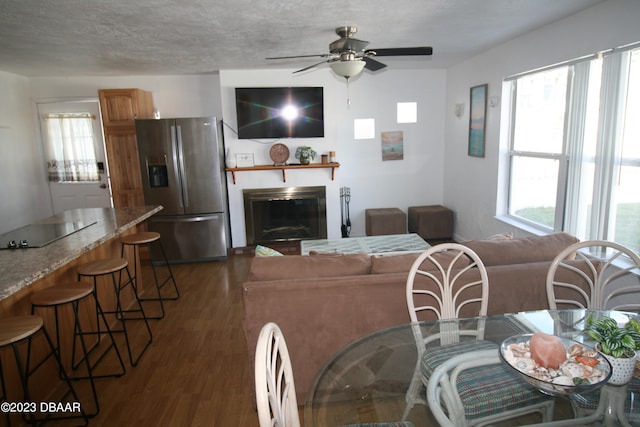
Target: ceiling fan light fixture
347	69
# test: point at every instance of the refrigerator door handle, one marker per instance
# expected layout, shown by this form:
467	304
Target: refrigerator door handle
174	148
185	184
198	218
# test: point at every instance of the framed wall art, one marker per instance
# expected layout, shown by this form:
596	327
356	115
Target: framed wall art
392	145
477	120
244	160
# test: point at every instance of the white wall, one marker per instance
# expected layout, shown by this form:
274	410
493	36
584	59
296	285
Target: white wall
173	96
24	188
24	195
415	180
471	185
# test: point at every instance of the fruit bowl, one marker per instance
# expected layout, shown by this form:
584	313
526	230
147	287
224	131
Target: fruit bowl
585	369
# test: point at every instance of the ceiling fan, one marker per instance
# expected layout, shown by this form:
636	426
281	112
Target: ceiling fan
347	56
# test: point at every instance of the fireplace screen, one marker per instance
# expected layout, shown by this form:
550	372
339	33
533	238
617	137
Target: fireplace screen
284	214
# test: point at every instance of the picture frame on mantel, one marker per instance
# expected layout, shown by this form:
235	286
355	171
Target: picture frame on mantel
477	120
244	160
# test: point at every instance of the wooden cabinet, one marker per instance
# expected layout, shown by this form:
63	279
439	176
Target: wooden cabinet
124	167
119	109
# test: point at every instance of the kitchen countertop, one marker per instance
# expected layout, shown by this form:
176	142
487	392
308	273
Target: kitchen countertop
21	267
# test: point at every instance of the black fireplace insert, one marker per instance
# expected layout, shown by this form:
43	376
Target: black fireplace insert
285	214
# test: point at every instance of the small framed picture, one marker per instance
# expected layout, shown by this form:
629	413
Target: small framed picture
244	160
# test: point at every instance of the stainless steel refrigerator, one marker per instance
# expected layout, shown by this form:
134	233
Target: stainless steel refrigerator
182	165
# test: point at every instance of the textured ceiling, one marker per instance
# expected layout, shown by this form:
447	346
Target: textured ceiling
163	37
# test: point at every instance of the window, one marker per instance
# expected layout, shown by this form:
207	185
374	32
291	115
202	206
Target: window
574	149
70	146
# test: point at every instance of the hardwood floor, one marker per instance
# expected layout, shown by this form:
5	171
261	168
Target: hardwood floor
196	372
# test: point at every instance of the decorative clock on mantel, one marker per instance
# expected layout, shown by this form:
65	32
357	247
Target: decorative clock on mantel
279	153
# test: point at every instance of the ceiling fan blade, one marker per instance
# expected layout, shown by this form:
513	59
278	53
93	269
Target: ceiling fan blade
402	51
312	66
322	55
373	65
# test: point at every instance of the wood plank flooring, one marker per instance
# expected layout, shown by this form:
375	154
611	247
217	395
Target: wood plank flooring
196	372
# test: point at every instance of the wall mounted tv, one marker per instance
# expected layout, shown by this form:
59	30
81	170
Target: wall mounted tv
280	112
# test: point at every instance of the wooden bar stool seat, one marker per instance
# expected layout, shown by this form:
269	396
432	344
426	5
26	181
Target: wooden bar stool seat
13	332
103	266
124	311
73	293
58	295
140	238
148	238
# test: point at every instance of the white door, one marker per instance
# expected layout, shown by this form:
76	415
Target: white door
88	194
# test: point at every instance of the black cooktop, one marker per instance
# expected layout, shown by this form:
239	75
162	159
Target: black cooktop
39	235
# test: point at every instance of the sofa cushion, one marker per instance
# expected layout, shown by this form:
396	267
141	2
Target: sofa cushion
521	250
302	267
382	264
401	263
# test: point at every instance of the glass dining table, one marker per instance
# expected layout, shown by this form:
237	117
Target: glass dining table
367	381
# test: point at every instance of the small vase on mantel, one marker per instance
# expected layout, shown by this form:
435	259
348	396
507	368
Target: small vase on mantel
305	155
230	159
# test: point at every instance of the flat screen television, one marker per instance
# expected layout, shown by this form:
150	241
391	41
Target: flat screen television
280	112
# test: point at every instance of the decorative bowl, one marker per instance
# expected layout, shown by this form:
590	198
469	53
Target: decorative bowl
557	381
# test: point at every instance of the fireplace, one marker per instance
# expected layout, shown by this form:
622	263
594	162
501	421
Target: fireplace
285	214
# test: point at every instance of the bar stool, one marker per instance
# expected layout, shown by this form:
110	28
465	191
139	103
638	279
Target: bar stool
147	238
73	293
14	331
116	267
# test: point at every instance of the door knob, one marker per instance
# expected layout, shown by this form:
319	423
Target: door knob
103	185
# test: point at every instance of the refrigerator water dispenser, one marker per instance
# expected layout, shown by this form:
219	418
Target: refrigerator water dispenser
158	176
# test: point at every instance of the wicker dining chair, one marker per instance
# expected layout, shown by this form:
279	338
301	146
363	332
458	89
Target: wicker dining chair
597	275
275	389
450	281
608	272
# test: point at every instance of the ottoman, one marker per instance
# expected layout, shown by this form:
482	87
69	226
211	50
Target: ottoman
431	222
383	221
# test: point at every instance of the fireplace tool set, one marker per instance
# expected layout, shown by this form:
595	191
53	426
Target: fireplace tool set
345	198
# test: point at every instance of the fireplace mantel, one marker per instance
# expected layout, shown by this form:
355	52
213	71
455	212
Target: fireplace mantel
331	166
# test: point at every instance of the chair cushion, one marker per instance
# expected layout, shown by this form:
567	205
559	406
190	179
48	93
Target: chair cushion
477	387
591	399
432	358
481	398
389	424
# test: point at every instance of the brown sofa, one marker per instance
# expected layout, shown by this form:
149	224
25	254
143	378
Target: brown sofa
323	302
